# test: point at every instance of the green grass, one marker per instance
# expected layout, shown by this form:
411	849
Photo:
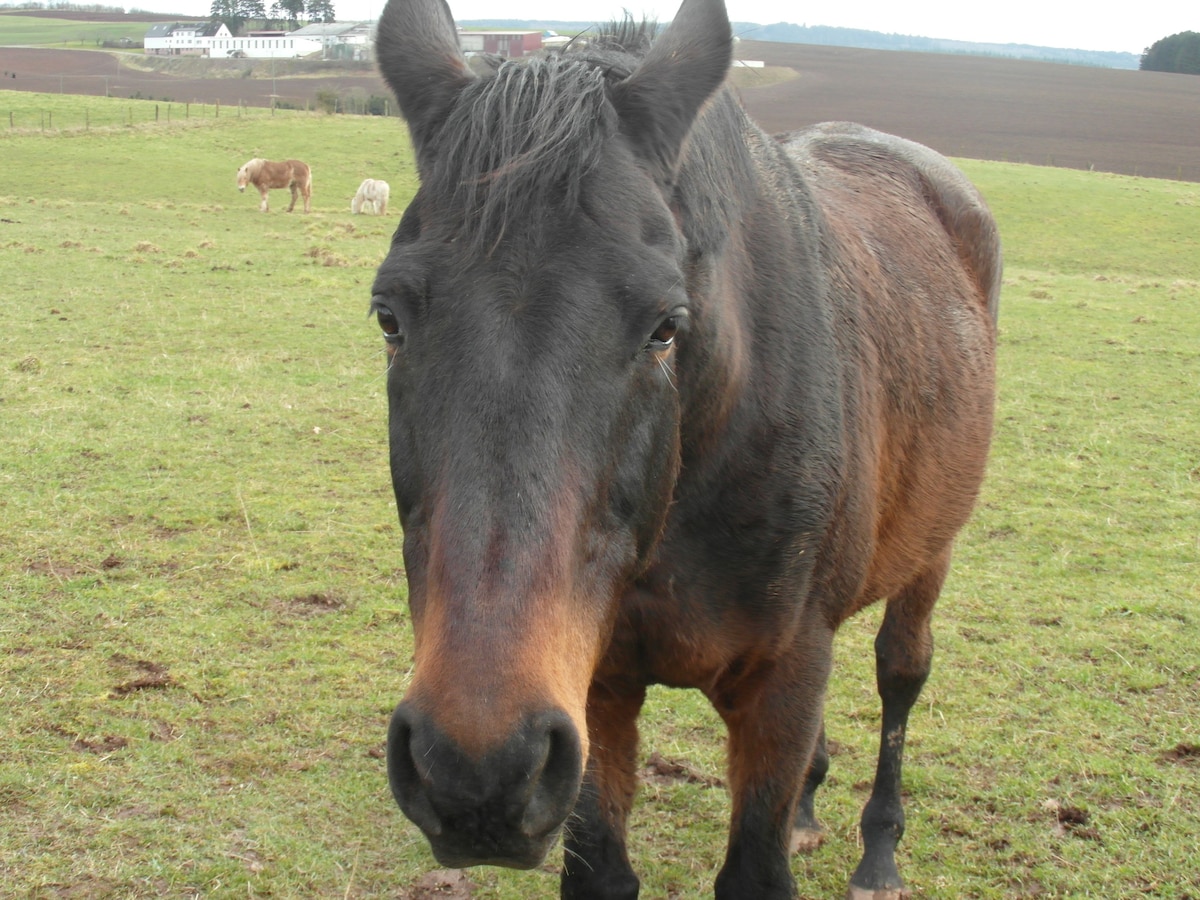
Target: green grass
39	31
204	626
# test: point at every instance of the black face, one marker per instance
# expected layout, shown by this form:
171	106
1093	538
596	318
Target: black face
533	426
536	319
539	367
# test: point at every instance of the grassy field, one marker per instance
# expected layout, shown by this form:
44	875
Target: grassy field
36	31
204	627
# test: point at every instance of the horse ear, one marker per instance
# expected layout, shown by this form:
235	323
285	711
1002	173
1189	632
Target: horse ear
659	101
419	57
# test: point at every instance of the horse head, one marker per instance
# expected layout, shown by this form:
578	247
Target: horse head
533	307
247	172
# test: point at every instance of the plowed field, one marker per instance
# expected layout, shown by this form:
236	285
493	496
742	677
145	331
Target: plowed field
1134	123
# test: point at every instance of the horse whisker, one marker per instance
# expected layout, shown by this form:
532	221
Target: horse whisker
670	375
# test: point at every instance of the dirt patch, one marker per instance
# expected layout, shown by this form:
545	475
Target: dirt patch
312	604
1184	754
153	676
107	744
660	770
1072	820
441	884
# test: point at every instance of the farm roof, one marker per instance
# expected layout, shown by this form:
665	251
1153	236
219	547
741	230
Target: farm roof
164	29
325	29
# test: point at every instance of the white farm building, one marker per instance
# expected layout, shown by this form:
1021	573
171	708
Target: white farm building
184	38
213	39
340	40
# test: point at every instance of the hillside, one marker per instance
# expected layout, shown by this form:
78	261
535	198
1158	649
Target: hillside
1133	123
779	32
825	35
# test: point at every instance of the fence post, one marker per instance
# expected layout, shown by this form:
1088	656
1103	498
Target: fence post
51	115
187	110
155	112
10	120
217	110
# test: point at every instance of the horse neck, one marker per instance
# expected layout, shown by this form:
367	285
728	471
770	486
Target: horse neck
751	227
720	175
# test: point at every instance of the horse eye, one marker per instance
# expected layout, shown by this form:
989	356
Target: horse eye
389	326
387	322
664	335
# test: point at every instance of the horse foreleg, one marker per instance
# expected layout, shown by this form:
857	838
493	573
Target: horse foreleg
903	651
595	860
773	712
262	207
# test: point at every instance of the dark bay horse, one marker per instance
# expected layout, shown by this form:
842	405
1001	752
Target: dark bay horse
669	401
266	174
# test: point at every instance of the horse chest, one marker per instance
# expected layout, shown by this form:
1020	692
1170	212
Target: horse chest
691	628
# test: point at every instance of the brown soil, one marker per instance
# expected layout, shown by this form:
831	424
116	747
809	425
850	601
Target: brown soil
1134	123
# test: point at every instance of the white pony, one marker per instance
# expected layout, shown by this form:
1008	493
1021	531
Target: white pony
372	197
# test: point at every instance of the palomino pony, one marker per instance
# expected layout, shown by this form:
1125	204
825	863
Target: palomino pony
669	401
265	174
372	197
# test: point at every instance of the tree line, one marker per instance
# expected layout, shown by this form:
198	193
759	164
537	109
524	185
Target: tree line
236	13
1177	53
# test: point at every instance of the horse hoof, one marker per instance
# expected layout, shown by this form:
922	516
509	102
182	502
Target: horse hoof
806	840
887	893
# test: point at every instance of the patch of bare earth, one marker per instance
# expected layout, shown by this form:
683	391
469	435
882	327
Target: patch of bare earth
660	770
441	884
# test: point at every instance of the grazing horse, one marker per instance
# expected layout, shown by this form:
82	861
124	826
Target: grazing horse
265	174
372	196
669	401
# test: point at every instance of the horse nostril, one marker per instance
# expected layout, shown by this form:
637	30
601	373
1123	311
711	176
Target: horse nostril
403	777
556	786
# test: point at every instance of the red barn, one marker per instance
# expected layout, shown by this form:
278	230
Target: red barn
507	44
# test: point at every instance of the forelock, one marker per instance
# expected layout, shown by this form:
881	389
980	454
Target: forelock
521	141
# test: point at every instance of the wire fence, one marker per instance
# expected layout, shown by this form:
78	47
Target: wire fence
49	113
81	117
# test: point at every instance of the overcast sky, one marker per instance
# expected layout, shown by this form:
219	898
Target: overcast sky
1072	24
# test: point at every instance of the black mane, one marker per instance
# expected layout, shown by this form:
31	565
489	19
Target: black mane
523	138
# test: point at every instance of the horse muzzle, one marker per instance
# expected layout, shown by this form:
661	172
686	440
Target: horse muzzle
503	808
241	189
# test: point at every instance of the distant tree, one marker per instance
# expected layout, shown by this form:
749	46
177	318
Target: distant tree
321	11
291	10
252	9
229	12
1177	53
